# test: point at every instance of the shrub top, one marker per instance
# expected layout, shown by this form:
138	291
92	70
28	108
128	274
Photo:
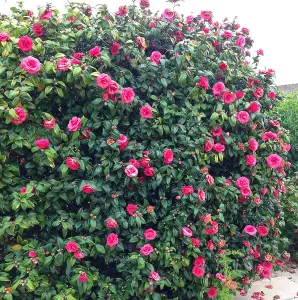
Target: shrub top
136	160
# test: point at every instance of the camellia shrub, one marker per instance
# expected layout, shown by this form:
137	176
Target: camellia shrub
135	158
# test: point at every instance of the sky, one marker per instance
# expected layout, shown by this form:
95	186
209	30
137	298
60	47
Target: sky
272	23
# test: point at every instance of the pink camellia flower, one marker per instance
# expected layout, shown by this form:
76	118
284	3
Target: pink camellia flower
253	145
155	57
212	293
269	136
127	95
30	65
23	190
135	163
219	147
239	94
258	93
79	255
245	191
4	37
83	277
249	229
260	52
150	234
95	51
168	14
253	107
131	171
154	275
22	116
71	246
42	144
74	124
240	41
209	145
145	161
78	55
227	34
274	161
257	200
228	97
274	123
88	189
144	4
122	141
32	254
146	112
141	42
149	171
262	230
189	19
131	208
210	245
242	182
111	223
203	83
168	156
217	131
122	11
187	190
209	179
25	44
47	14
72	163
220	277
38	29
146	250
201	195
250	160
198	271
63	64
49	123
271	95
113	88
206	15
114	49
112	240
218	88
86	135
195	242
243	117
103	81
223	66
187	232
199	261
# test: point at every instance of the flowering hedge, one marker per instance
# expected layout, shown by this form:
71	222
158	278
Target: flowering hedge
135	158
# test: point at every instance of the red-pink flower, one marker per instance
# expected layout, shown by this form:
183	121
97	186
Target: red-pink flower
32	254
63	64
146	250
187	232
150	234
258	93
253	145
144	4
122	141
83	277
71	246
131	208
274	161
223	66
4	37
209	145
149	171
22	116
72	163
242	182
88	189
219	147
111	223
201	195
114	49
243	117
210	245
217	131
95	51
127	95
228	97
240	41
42	144
239	94
23	190
253	107
209	179
47	14
146	112
168	14
203	83
245	191
74	124
112	240
135	163
218	88
131	171
206	15
198	271
220	277
25	44
271	95
249	229
49	123
187	190
113	88
168	156
79	255
122	11
154	275
103	81
195	242
212	293
262	230
38	29
155	57
250	160
199	261
30	65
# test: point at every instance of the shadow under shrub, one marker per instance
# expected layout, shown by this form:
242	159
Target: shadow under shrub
135	160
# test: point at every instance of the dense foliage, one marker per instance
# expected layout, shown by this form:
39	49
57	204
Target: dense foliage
135	160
